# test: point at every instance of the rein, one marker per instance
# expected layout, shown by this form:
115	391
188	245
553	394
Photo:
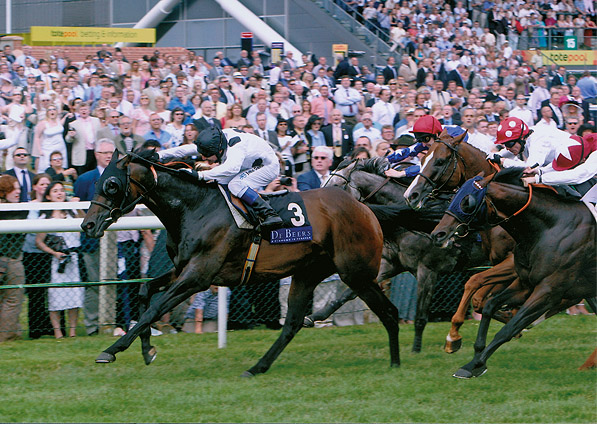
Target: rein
117	212
454	156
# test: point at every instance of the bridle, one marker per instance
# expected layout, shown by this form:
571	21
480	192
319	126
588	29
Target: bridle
466	225
123	209
453	164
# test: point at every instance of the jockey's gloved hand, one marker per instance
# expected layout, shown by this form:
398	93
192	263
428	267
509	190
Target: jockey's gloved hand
150	155
190	175
419	147
497	159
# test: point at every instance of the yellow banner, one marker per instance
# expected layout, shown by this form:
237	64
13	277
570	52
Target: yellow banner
91	35
569	57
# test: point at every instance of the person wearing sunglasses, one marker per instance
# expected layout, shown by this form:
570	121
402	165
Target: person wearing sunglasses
426	130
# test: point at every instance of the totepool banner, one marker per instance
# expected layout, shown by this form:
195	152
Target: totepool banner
91	35
566	57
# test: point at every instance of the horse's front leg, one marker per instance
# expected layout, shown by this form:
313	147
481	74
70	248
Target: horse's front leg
426	279
191	280
513	295
480	284
146	292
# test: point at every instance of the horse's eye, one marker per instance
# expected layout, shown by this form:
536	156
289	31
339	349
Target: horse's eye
468	204
440	161
111	186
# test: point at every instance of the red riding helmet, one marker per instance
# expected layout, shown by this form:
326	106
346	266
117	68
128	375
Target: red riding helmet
511	129
572	155
428	125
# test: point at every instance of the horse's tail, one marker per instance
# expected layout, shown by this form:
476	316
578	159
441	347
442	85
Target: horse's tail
394	217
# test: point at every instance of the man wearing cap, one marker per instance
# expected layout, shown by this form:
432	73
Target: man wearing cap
426	130
347	100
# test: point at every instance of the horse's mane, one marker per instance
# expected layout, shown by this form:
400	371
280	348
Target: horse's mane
510	176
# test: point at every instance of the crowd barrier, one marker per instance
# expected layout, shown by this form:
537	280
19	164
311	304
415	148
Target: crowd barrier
125	265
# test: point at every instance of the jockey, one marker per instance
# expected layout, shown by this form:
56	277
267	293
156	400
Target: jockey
426	130
247	163
526	148
574	164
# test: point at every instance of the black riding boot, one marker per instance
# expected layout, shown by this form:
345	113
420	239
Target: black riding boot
267	216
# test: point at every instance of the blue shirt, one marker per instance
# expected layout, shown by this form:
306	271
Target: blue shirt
407	152
163	138
207	302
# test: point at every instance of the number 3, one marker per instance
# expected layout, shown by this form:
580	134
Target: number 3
298	213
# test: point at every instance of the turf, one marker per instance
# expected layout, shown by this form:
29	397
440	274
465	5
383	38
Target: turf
325	375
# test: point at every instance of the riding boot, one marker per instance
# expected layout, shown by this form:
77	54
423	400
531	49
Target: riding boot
269	219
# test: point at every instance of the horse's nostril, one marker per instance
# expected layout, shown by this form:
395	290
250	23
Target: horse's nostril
414	196
89	225
439	236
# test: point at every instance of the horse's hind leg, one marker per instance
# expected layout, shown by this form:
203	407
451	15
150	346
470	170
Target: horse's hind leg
329	309
301	292
372	295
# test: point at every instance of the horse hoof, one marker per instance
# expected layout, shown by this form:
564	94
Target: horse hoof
247	374
105	358
308	322
395	365
452	346
462	373
149	357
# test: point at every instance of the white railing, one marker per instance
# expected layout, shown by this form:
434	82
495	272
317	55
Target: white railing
107	246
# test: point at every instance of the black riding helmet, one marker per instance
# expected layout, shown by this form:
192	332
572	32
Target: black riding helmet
211	141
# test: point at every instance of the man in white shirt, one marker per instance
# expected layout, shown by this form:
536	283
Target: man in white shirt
383	111
546	122
347	100
521	111
367	129
539	94
475	138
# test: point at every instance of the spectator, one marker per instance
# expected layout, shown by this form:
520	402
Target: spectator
204	311
48	138
85	190
207	119
176	126
11	266
58	173
339	136
65	266
21	172
82	135
155	131
347	100
521	111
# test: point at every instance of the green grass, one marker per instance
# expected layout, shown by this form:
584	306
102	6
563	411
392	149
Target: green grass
325	375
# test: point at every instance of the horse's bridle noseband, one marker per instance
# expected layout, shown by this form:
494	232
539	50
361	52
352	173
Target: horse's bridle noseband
122	209
454	157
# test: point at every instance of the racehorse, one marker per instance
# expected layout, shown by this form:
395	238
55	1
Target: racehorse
447	165
208	248
407	245
554	257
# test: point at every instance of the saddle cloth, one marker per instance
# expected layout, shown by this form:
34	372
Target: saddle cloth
289	206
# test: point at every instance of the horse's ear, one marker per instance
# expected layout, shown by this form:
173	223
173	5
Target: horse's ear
114	156
457	140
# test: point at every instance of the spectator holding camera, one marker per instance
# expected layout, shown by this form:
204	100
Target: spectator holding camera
65	265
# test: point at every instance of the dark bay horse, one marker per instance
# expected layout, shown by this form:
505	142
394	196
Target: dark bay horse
447	165
407	245
208	248
554	257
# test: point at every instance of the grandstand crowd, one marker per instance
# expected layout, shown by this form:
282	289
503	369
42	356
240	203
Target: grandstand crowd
461	62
